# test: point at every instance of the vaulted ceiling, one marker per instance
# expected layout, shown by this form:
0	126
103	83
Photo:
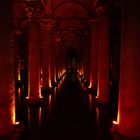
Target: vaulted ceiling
70	18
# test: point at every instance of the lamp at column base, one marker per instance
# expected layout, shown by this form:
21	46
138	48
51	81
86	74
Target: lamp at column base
32	101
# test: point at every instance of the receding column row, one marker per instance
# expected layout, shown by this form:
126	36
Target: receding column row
128	103
129	86
48	66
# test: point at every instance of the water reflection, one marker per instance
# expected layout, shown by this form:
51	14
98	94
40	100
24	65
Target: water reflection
90	101
40	116
68	115
55	92
50	103
97	115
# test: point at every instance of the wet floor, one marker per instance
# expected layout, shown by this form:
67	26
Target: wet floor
68	113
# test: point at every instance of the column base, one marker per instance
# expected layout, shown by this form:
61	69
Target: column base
99	101
33	101
117	136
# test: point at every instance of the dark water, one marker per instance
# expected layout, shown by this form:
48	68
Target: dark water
67	114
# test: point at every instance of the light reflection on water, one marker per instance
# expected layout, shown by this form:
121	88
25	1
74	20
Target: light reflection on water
40	115
42	118
55	93
90	101
50	103
97	115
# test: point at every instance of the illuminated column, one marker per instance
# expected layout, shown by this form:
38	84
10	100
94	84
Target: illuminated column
87	57
17	74
46	54
103	60
57	53
94	53
129	94
7	94
34	63
61	59
52	61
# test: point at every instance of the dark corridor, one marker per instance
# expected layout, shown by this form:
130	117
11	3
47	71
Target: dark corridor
68	113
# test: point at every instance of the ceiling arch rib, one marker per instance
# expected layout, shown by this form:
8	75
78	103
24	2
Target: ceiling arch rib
70	10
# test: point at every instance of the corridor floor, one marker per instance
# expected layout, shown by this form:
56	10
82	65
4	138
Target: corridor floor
68	113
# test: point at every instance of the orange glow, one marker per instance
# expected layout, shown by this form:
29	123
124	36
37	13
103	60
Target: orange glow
96	97
27	97
41	79
41	82
49	75
63	71
50	100
16	123
40	113
50	83
90	85
114	122
118	114
19	73
97	90
40	96
90	101
97	115
13	114
55	76
19	91
28	84
118	117
82	71
12	105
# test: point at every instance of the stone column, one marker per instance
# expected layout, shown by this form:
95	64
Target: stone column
56	63
52	60
7	93
34	63
87	57
58	54
46	54
129	88
94	53
17	74
103	59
